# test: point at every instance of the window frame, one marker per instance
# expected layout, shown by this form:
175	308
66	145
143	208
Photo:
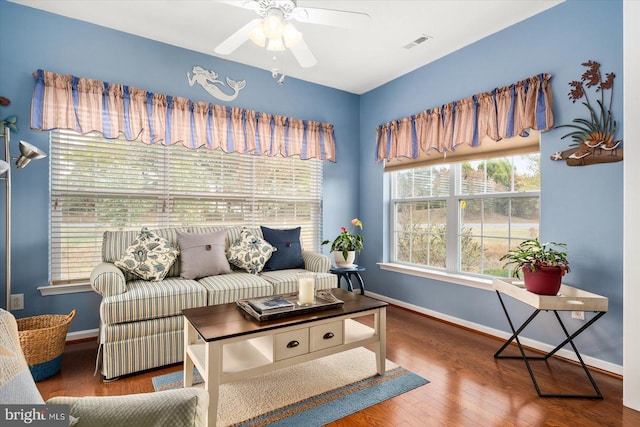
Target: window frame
453	270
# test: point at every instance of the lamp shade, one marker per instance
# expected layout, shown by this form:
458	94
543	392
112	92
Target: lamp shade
275	45
290	35
28	152
4	167
257	35
272	26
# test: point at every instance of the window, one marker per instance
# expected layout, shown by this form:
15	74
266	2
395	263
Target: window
461	217
99	184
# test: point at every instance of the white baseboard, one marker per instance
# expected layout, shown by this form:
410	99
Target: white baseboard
81	335
567	354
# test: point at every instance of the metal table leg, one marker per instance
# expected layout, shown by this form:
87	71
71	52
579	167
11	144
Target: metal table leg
345	276
360	281
526	358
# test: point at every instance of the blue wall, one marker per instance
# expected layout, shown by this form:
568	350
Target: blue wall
581	206
31	39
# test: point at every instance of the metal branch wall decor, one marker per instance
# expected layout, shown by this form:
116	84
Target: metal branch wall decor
208	79
594	139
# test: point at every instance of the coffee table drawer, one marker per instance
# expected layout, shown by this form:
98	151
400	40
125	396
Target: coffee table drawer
327	335
292	343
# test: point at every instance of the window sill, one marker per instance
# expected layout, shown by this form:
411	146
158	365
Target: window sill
459	279
72	288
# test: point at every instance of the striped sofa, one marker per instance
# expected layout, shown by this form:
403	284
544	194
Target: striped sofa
141	323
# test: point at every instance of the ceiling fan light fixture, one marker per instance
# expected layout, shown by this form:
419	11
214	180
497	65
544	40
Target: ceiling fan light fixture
272	26
256	35
275	45
290	35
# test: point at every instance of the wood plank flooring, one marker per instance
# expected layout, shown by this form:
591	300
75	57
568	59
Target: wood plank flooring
468	386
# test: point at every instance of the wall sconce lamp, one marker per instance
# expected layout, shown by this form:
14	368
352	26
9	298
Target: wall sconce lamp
28	152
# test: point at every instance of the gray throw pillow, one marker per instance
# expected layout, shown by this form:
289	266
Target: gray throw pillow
203	255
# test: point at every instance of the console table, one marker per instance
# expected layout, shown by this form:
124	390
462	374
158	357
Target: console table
567	299
227	344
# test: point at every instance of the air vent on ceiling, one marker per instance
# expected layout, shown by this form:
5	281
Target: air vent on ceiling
423	38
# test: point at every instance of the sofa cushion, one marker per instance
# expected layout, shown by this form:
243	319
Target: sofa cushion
149	256
288	252
203	255
114	244
149	300
286	281
232	287
250	252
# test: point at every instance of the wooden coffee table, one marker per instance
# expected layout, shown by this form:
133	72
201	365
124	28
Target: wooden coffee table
227	344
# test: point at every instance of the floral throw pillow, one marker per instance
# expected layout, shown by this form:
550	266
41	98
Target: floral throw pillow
249	252
149	257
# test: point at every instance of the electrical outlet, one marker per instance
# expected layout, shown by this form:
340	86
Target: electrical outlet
17	301
577	315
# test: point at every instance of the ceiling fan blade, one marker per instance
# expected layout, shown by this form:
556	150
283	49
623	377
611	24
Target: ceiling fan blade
236	39
331	17
303	54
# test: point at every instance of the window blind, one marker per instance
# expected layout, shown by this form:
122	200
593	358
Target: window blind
488	149
99	185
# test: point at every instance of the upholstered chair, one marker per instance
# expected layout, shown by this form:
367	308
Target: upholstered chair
183	407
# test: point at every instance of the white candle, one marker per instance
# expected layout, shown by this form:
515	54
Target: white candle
306	290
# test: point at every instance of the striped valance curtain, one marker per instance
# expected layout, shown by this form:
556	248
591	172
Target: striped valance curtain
85	105
470	128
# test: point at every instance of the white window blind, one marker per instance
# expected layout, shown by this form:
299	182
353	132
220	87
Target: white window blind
99	185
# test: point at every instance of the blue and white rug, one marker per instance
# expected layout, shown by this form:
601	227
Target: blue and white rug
311	394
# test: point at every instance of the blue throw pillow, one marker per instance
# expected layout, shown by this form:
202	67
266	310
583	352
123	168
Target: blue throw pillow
289	253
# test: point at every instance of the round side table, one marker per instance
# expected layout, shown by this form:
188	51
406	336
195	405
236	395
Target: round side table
347	273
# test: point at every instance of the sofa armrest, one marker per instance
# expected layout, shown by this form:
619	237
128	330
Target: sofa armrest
181	407
316	262
107	280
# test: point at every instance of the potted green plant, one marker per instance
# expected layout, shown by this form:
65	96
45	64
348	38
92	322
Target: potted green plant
542	264
345	246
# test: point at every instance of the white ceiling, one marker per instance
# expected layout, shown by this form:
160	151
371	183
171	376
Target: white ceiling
352	60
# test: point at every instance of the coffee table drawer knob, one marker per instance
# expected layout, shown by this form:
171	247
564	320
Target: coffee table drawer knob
293	344
328	336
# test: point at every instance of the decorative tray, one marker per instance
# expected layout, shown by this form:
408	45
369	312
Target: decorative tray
324	301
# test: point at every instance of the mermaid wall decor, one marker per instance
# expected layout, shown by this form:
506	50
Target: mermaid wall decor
208	79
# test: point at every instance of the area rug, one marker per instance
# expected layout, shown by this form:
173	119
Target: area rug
311	394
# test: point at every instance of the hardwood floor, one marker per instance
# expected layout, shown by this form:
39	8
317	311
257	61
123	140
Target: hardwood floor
468	386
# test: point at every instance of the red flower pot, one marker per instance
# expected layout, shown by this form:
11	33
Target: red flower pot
543	280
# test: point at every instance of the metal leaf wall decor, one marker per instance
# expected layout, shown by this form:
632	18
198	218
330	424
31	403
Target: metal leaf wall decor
594	138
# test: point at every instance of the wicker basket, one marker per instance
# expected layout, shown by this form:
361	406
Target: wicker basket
42	339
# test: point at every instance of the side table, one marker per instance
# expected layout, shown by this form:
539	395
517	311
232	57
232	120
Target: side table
568	299
346	273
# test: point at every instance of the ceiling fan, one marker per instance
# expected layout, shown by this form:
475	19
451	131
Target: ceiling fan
275	31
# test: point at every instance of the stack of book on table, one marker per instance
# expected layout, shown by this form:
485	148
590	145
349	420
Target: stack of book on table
269	305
